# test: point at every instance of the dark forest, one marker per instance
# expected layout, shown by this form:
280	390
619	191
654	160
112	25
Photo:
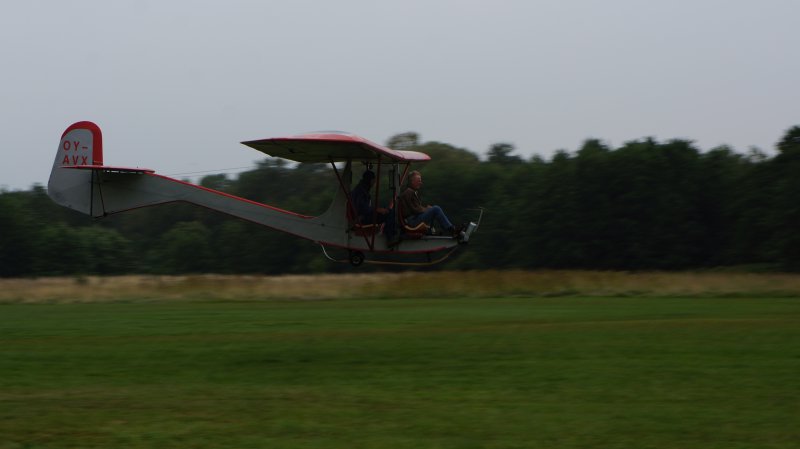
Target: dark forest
646	205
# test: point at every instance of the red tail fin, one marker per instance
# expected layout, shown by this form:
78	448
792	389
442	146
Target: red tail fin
81	144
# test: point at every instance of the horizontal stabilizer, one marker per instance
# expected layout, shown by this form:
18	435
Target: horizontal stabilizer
110	169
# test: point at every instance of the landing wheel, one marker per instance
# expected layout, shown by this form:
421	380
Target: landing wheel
356	258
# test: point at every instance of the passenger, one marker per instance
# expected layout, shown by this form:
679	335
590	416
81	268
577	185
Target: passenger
362	201
415	213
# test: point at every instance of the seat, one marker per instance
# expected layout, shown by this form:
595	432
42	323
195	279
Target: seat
412	232
359	229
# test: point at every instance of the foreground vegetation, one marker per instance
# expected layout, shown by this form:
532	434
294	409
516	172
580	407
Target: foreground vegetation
524	372
454	284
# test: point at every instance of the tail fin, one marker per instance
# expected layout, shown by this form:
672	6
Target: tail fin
81	145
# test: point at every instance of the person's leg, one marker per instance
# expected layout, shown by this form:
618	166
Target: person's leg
434	213
438	215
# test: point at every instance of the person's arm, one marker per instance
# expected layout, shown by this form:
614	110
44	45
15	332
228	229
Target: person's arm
410	203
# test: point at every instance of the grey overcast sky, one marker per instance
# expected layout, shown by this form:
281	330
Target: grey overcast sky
175	85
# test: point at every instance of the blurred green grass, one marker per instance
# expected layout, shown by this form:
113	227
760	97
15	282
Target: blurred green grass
567	372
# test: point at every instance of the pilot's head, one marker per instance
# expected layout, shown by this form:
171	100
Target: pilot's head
415	180
368	177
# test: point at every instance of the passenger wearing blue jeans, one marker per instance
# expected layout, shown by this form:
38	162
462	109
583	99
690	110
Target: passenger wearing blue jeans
415	213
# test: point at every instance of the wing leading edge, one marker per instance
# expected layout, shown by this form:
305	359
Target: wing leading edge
331	147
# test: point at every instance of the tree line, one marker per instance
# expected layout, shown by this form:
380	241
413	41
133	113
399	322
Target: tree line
646	205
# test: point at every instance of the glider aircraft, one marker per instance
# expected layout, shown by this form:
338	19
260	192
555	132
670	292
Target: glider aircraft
80	180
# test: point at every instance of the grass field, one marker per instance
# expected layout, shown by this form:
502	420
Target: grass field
561	372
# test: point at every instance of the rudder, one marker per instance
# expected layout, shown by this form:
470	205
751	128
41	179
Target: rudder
81	145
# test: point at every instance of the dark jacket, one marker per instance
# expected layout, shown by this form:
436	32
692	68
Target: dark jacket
410	203
362	203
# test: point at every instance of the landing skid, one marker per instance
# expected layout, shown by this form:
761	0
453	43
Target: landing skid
357	258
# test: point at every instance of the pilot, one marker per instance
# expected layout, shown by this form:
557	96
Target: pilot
414	212
362	201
